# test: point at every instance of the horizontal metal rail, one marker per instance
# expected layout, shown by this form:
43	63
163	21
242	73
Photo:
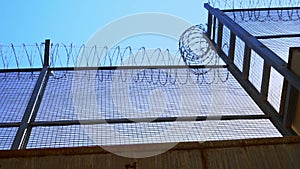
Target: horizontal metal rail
150	120
141	67
13	124
278	36
21	70
261	9
116	67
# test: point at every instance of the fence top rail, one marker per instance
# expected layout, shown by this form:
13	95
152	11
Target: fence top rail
261	9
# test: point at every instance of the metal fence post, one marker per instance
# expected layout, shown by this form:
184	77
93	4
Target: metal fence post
23	133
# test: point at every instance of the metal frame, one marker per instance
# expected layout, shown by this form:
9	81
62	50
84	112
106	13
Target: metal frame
214	16
28	121
270	60
252	42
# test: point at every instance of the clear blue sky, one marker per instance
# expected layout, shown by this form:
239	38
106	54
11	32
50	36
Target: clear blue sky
74	21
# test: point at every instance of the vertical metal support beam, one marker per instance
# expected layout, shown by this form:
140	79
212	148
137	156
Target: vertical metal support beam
290	106
246	64
291	112
209	25
47	53
220	34
214	28
265	81
231	47
31	110
283	97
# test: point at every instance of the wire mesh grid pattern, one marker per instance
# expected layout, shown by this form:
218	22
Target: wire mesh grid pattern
240	129
268	28
275	89
15	91
265	23
238	59
276	79
281	46
7	135
226	40
133	93
57	103
255	72
146	133
273	22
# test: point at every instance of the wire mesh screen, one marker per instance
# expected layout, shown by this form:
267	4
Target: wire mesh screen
275	89
59	136
256	70
240	129
145	87
226	40
266	25
265	28
108	91
15	91
281	46
239	51
268	22
70	136
7	135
